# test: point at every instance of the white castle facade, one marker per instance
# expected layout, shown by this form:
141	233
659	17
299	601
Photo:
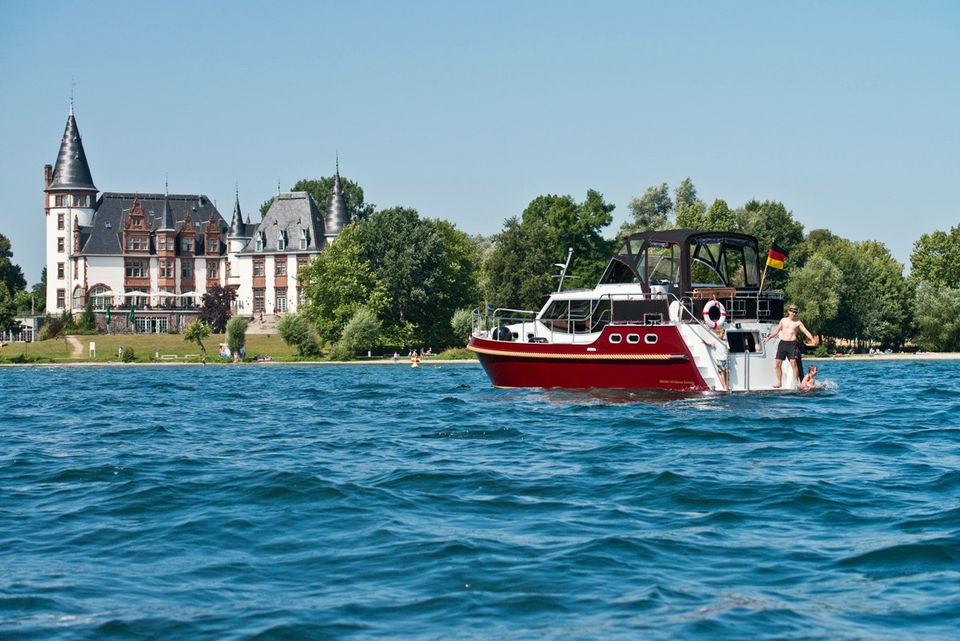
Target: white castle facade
157	254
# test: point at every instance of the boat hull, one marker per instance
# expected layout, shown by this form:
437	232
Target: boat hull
659	360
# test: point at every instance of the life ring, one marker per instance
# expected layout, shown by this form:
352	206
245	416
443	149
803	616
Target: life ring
713	324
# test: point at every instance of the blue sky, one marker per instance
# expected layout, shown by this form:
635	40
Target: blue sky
847	112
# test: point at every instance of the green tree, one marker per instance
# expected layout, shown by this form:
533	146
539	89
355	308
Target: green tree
338	283
23	302
266	205
40	293
7	308
322	188
362	332
87	321
936	258
296	330
462	324
720	217
937	313
650	212
815	288
770	222
427	268
236	334
691	211
196	332
10	273
887	315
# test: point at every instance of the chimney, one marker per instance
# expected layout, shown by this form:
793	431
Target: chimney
47	175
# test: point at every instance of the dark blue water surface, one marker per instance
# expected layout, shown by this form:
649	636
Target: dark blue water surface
358	502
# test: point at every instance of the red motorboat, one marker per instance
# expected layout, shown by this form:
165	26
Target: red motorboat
649	323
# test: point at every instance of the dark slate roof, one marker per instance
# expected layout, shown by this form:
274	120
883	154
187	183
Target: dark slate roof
290	212
103	235
71	170
238	228
166	217
337	215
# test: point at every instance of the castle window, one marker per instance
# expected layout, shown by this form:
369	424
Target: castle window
166	268
260	241
212	268
137	243
60	271
77	297
60	201
187	245
101	297
303	239
213	246
258	267
186	268
60	244
81	201
60	221
282	300
258	305
282	241
61	298
281	267
135	268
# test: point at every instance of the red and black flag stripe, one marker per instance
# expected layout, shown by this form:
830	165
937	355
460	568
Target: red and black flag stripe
776	257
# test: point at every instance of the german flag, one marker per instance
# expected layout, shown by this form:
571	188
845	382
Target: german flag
776	257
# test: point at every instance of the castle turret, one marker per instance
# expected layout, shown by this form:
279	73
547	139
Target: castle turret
69	203
337	215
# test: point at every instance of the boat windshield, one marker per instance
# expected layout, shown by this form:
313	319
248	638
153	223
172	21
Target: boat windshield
663	264
723	262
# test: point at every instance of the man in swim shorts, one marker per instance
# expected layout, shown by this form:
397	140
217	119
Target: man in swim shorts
787	349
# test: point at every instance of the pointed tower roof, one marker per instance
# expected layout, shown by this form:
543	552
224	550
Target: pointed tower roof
237	228
71	170
166	216
337	216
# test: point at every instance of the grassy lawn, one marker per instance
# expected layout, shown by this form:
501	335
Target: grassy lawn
146	347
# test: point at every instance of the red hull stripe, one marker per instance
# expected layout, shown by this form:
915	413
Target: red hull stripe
579	357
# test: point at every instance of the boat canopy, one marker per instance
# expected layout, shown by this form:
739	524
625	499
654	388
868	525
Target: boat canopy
681	260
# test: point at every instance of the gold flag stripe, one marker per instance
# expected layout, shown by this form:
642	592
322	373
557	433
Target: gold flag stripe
588	356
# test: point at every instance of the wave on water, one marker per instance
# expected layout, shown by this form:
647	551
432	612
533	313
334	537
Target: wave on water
364	503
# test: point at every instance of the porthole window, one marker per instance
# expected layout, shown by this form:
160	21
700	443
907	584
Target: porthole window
633	339
615	338
650	339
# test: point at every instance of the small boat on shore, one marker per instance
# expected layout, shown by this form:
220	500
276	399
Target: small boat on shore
647	324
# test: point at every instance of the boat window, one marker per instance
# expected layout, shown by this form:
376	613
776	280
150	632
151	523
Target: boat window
741	342
704	264
663	264
601	314
619	272
615	339
650	339
733	266
750	265
579	315
633	339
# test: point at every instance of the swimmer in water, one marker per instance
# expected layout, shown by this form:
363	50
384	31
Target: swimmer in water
809	381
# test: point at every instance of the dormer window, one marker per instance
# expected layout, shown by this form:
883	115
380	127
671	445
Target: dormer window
282	241
303	239
187	245
260	241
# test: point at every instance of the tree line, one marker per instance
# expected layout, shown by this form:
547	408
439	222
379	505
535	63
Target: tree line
396	279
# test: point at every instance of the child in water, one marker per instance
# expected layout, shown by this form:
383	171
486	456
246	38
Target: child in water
809	381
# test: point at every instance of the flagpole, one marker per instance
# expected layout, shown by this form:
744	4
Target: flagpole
763	277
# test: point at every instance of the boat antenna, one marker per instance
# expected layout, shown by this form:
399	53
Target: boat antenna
564	267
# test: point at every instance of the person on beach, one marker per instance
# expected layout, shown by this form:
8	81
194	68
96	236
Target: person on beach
787	328
721	354
809	381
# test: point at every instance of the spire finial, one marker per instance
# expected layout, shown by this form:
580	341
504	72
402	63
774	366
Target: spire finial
338	162
278	186
72	85
166	184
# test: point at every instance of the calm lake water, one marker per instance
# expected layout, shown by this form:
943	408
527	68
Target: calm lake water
313	502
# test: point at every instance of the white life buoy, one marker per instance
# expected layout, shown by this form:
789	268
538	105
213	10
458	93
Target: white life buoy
713	324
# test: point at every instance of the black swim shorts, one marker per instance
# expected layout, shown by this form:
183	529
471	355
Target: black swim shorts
787	351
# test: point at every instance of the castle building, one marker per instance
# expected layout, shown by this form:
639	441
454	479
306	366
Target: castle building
157	254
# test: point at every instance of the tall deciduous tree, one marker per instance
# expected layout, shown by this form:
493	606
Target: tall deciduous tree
936	258
650	212
7	308
937	313
815	287
215	307
10	273
770	221
338	283
720	217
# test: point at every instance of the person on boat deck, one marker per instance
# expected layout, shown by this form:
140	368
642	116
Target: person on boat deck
809	381
787	328
721	353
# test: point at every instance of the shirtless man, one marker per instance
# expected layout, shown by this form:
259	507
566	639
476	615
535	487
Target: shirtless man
787	349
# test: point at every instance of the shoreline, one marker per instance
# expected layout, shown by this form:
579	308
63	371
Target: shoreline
926	356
